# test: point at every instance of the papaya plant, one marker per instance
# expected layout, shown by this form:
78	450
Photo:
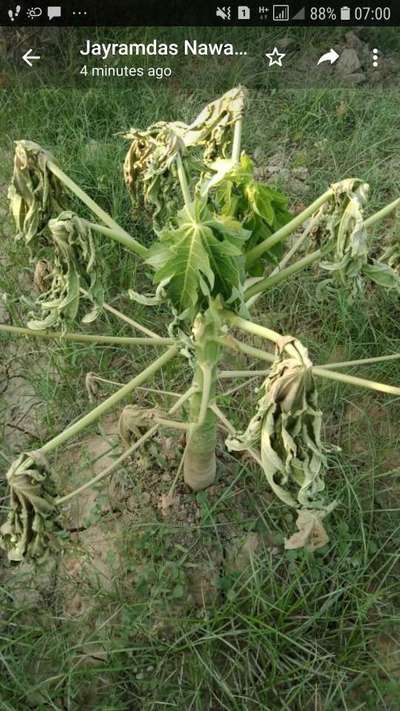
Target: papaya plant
220	242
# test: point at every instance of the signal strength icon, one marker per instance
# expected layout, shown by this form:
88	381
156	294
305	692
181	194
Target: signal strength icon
301	15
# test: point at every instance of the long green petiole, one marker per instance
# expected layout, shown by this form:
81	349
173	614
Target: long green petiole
112	467
87	338
237	137
288	229
279	276
381	214
227	374
354	380
254	329
108	404
123	317
275	279
183	180
234	345
135	246
207	385
257	330
119	236
362	361
230	428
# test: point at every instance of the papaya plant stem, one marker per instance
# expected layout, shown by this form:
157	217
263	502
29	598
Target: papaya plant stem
237	137
108	470
362	361
122	237
288	229
97	378
353	380
183	180
263	332
274	280
110	402
241	373
173	424
381	214
123	317
234	345
87	338
230	428
200	461
206	392
97	210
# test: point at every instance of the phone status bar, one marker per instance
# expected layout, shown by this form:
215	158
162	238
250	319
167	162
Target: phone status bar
180	13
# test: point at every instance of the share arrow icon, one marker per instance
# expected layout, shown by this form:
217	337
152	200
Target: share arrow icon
330	56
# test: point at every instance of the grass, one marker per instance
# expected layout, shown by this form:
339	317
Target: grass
293	630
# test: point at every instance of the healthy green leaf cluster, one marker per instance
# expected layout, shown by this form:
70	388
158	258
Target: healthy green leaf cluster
261	209
199	258
201	248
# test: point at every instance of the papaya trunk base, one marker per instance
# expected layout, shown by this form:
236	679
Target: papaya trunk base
199	467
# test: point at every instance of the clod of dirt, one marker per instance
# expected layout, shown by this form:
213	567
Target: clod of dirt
240	553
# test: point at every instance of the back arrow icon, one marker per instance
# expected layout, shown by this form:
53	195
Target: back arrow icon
330	56
28	56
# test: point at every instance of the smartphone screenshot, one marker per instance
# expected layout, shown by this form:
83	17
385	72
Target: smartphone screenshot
199	356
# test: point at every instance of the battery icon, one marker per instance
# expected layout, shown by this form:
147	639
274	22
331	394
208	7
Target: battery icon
345	13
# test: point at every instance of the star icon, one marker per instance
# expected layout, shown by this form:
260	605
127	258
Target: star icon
275	57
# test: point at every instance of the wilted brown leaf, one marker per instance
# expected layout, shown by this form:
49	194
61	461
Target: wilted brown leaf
311	534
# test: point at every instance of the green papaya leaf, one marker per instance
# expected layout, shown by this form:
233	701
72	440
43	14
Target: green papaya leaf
382	274
260	208
200	257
